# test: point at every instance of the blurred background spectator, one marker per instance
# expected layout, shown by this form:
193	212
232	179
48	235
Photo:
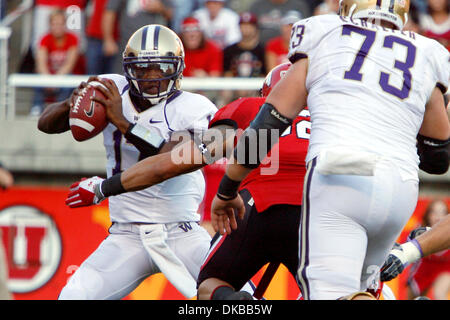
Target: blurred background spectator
42	11
97	60
181	10
219	23
431	274
327	7
270	12
2	9
413	23
56	54
421	5
246	57
278	47
130	15
435	23
203	58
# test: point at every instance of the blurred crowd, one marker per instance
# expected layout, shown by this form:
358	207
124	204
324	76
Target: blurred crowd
230	38
222	38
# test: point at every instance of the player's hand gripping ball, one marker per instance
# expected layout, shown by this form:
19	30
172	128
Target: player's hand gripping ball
87	118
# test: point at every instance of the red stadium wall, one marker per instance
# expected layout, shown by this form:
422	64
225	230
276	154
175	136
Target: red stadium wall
45	242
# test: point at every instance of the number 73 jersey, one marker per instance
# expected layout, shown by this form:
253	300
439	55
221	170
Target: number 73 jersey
368	85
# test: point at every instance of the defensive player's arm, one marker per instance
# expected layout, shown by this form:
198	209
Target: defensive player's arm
432	241
433	141
185	157
283	104
287	98
436	239
174	159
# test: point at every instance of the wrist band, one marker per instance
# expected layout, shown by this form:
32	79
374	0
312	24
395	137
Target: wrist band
112	186
416	243
228	188
225	199
412	252
145	140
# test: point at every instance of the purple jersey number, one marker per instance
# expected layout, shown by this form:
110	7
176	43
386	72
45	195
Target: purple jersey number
117	137
297	33
402	66
355	74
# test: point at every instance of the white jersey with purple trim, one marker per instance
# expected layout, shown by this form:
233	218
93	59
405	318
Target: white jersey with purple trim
368	86
173	200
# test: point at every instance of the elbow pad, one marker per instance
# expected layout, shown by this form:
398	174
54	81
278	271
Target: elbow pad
434	154
147	142
263	132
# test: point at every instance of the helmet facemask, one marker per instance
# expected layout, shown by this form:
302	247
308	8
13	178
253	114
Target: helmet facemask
153	79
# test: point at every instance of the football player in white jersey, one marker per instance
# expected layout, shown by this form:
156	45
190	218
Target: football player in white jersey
373	91
155	229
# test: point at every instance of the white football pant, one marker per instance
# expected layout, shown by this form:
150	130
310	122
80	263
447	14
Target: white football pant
121	262
348	226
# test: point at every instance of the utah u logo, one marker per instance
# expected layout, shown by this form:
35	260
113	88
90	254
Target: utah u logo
32	247
185	226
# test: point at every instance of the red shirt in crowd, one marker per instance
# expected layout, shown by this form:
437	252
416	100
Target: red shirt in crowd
208	58
94	26
439	32
61	3
424	273
278	48
57	53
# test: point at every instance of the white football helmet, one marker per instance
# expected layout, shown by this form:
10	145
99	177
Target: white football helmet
393	11
153	63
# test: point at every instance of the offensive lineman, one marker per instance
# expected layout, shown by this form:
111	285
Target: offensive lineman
156	229
371	89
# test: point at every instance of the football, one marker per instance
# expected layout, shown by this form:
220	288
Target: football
87	118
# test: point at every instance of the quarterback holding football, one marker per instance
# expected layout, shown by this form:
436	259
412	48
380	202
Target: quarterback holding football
155	229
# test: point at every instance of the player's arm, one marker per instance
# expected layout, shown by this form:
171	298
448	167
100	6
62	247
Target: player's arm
436	239
175	159
190	154
55	117
433	141
283	104
428	242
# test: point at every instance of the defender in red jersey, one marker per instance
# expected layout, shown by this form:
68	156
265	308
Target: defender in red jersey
269	230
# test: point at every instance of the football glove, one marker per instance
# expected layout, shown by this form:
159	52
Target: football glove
417	232
399	258
85	193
